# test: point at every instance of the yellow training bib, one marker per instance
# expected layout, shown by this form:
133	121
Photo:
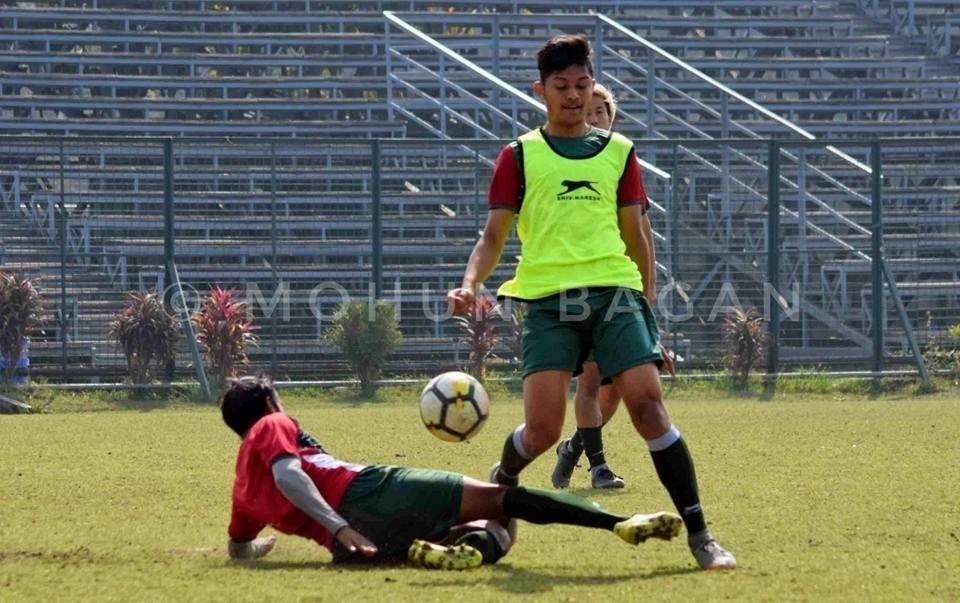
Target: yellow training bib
568	227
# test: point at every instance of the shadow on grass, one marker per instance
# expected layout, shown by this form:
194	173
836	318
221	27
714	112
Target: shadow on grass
504	577
586	492
263	565
515	580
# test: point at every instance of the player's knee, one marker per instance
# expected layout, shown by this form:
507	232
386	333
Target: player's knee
539	438
649	417
643	394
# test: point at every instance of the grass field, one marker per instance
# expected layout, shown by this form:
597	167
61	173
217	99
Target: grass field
826	496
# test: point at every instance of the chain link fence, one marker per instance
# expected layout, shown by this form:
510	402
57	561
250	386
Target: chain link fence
298	226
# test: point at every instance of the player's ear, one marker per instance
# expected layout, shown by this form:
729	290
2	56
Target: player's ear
538	88
273	402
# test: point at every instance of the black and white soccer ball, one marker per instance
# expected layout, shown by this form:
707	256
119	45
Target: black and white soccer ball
454	406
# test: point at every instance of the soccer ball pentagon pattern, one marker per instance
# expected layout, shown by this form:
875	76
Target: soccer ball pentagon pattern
454	406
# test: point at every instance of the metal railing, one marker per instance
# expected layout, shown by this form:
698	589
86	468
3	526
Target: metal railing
934	20
298	226
403	68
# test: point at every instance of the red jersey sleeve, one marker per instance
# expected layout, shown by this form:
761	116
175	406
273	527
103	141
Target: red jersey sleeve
506	188
243	528
630	190
273	436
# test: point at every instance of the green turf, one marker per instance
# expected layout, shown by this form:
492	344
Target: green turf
821	496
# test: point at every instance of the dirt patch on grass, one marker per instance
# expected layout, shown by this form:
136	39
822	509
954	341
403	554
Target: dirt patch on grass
81	554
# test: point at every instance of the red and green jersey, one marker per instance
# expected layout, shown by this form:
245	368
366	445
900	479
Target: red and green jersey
567	194
257	502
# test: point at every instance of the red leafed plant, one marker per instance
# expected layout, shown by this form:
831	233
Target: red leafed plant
224	331
21	312
147	331
480	335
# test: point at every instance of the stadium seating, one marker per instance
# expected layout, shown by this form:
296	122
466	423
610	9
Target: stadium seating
323	72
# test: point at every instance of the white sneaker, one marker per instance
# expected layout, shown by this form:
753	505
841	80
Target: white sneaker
710	555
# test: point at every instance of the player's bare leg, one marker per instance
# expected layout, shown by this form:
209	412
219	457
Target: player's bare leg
588	416
640	388
602	476
593	405
544	404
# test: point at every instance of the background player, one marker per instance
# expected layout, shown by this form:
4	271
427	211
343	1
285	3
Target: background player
596	402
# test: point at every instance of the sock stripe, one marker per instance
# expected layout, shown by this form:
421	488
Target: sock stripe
664	441
518	441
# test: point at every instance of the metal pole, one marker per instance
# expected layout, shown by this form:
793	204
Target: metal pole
725	205
773	255
495	118
273	254
376	237
476	191
876	254
176	288
673	230
168	248
387	55
62	318
651	94
598	48
443	96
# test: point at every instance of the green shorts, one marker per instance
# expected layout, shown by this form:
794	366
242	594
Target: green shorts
392	506
616	325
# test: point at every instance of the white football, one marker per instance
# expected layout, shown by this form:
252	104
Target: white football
454	406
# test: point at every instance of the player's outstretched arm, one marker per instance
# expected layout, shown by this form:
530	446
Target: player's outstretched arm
483	259
299	489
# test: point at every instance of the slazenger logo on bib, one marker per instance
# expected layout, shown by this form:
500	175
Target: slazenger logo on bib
571	186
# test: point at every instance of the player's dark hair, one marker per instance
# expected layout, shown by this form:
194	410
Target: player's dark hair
562	51
246	401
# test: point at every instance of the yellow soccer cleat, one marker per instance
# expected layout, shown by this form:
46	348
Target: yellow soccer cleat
437	556
639	528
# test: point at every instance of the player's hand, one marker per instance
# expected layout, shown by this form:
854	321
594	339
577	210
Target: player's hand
459	301
355	542
668	366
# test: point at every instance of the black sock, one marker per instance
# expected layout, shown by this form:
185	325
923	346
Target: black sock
675	468
593	445
546	506
575	444
511	461
484	542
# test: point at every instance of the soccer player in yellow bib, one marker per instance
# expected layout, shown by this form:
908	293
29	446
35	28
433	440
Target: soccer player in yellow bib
596	400
578	197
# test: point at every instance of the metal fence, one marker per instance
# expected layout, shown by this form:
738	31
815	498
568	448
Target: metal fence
297	226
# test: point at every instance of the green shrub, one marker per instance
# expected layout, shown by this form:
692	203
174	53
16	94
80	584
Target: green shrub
943	351
744	341
366	336
147	332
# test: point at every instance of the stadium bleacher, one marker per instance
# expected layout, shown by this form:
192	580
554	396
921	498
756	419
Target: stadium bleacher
312	70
